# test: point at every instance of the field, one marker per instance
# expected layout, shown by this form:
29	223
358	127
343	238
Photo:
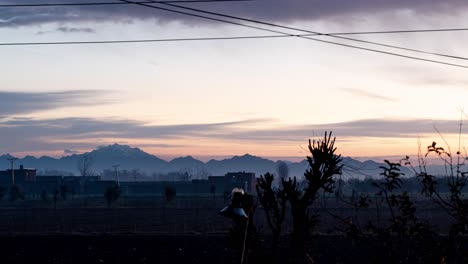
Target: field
155	215
151	230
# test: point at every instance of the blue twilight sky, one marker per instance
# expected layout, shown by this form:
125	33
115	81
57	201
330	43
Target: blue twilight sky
265	97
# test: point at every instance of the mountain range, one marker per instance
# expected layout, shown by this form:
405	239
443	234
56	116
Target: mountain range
129	158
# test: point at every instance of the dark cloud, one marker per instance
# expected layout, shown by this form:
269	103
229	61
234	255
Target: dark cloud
271	10
74	133
12	103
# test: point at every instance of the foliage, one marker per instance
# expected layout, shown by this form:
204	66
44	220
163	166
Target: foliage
406	238
454	204
403	237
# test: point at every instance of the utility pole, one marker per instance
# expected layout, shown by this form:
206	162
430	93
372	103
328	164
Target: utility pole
12	160
116	174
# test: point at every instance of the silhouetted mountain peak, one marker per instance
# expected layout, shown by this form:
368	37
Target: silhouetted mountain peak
187	161
247	157
186	158
127	157
117	150
6	156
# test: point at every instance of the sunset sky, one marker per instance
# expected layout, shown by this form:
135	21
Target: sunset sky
216	98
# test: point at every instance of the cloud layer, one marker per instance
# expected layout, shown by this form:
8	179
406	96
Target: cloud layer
271	10
72	133
14	103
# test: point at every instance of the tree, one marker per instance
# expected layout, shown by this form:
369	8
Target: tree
324	164
85	164
169	193
112	194
60	194
202	173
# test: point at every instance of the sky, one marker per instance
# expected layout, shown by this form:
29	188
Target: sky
215	98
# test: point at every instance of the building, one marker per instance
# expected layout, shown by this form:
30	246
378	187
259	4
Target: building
214	185
20	175
244	180
92	186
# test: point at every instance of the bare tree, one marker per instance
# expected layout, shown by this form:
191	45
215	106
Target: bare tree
202	173
85	163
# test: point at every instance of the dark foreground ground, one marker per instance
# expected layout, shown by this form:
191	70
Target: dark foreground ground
150	230
121	248
164	248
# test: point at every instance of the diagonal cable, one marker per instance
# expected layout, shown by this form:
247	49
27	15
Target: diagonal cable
312	32
288	34
114	3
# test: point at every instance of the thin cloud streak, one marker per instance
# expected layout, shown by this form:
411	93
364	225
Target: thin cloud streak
75	30
15	103
364	93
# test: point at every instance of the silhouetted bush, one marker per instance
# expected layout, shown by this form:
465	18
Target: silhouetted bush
324	164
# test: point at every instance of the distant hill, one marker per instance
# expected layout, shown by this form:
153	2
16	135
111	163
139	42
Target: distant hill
186	162
129	158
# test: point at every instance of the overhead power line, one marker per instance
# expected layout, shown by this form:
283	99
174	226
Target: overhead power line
115	3
144	40
309	31
400	31
287	34
152	40
283	35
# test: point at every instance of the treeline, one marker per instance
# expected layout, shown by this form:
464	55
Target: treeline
409	185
